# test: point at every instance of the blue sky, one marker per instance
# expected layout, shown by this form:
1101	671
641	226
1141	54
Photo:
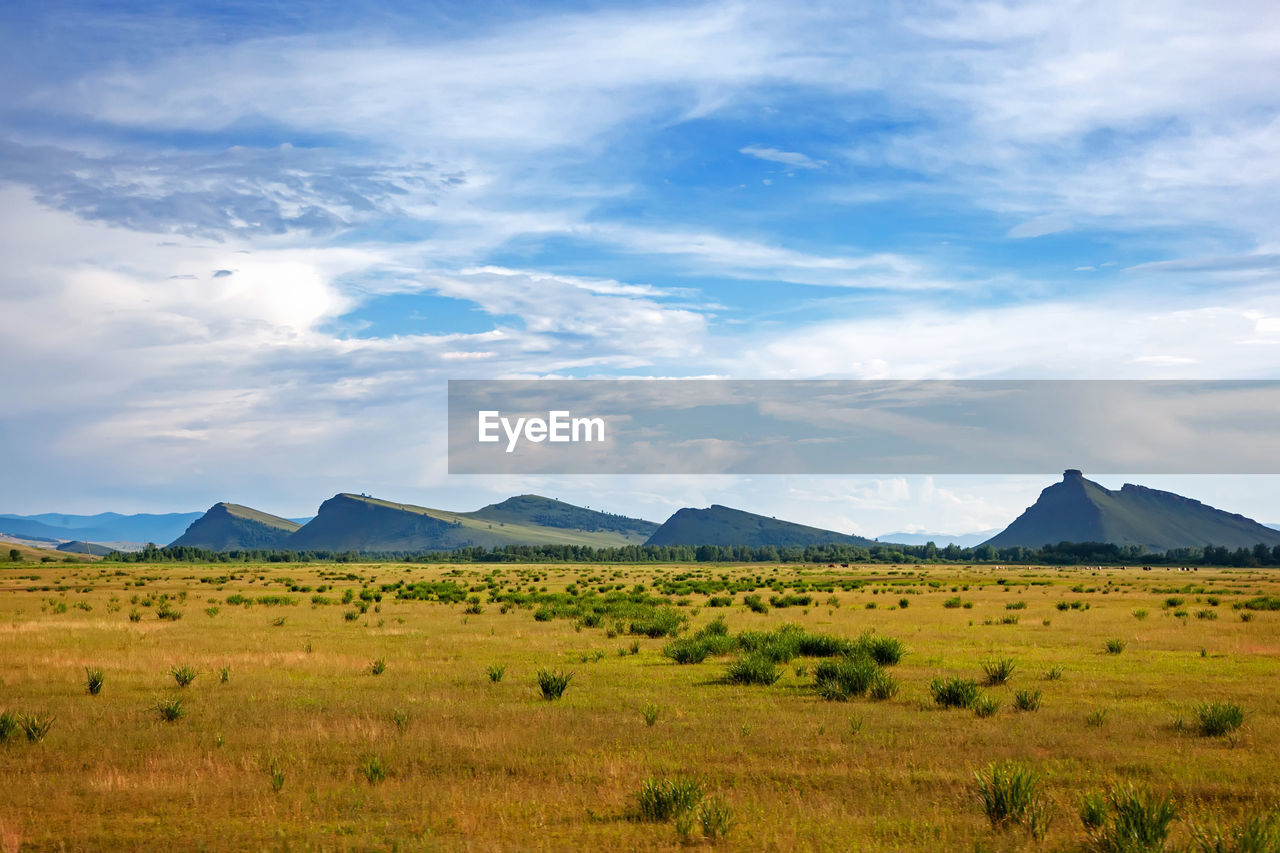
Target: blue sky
247	244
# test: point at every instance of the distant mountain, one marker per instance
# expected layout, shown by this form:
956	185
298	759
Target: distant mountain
103	527
1080	510
722	525
230	527
76	547
348	522
942	540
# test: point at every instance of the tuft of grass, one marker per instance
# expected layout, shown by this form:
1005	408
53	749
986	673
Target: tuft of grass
650	714
93	678
1096	719
1140	614
401	718
496	671
1259	833
170	709
686	650
1115	646
882	686
1130	819
998	671
1027	699
885	651
184	674
9	725
954	692
276	773
372	768
715	818
839	678
1053	673
1218	718
378	667
985	706
1012	794
224	675
36	725
753	668
660	800
553	683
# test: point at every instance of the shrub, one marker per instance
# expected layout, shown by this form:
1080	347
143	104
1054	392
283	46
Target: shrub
838	679
36	725
1115	646
650	714
686	650
496	671
1096	719
372	768
662	799
756	604
553	683
1219	718
885	651
1206	614
1139	614
720	601
954	692
170	709
665	621
224	675
1129	819
752	668
184	674
985	706
135	615
1012	794
952	603
903	603
93	678
378	667
1027	699
998	671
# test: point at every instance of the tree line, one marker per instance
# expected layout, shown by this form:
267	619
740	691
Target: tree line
1064	553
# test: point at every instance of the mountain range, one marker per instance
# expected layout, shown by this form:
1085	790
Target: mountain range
1073	510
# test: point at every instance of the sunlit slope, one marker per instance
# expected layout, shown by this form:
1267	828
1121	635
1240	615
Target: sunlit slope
348	522
229	527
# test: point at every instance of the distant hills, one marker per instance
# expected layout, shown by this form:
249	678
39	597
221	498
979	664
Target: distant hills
106	527
229	527
1073	510
721	525
351	522
1080	510
942	540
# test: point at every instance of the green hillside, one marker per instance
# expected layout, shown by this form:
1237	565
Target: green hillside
348	522
1080	510
721	525
230	527
77	546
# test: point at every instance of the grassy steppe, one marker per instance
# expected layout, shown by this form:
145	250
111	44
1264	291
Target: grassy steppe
472	763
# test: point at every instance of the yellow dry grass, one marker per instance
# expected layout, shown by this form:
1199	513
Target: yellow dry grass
479	765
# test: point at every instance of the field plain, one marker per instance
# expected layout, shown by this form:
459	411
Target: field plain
288	750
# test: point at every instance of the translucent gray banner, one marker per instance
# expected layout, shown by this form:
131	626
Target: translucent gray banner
863	427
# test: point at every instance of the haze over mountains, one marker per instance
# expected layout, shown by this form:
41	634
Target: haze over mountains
1080	510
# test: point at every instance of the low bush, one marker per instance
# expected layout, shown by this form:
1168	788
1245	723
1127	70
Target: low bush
837	679
661	800
998	671
93	679
753	668
1128	820
954	692
1027	699
553	683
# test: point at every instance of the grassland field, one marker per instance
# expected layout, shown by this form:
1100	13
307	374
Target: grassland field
353	707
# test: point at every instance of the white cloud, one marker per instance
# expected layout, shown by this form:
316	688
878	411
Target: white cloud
793	159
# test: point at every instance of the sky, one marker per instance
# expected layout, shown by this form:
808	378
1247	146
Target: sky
247	244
